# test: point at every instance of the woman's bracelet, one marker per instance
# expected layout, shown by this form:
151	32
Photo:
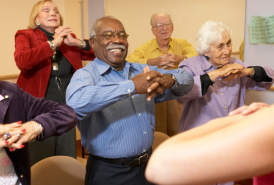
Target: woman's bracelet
38	129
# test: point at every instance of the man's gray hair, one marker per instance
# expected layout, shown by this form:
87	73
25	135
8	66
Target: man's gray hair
209	33
94	25
153	16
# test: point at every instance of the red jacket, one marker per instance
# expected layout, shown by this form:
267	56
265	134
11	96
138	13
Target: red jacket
33	57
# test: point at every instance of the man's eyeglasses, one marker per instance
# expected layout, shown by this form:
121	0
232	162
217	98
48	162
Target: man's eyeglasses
161	26
109	35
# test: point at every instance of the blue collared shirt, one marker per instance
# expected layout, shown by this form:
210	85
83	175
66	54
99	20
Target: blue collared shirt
116	122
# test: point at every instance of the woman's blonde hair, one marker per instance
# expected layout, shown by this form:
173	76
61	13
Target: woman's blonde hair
34	12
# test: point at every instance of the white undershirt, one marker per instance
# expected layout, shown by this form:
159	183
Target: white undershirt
7	172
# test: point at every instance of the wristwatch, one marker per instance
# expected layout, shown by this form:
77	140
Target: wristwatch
52	46
173	78
81	44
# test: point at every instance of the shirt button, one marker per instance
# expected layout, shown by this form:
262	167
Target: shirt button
128	90
220	79
145	132
139	114
223	93
144	150
225	107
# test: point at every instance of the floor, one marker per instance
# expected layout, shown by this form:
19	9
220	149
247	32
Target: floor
83	161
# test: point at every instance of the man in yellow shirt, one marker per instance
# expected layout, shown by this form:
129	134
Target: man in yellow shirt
166	53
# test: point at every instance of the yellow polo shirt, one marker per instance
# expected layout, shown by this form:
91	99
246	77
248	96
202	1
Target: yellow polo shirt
151	49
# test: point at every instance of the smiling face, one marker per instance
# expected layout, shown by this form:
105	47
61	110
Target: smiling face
110	50
49	17
219	52
164	32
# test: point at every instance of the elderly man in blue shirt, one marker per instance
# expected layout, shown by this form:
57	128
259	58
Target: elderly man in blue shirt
114	100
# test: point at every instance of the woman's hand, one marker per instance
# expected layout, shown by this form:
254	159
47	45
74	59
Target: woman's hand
60	33
225	71
71	41
239	73
246	110
7	131
14	135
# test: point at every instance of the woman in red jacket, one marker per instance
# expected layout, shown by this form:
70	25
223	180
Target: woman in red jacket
48	54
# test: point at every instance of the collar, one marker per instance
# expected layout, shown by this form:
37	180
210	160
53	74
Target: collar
206	65
155	45
103	67
48	34
4	103
1	97
41	36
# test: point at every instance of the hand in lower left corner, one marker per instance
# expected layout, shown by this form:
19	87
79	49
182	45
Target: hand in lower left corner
18	135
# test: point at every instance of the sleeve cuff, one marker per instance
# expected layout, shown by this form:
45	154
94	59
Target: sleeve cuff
260	74
127	87
87	48
205	83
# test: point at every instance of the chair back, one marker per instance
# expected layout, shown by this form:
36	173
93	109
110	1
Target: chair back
159	137
58	170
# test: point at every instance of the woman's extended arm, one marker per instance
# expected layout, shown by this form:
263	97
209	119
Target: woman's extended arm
225	149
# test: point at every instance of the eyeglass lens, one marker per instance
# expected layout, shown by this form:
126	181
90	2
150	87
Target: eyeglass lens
110	35
167	24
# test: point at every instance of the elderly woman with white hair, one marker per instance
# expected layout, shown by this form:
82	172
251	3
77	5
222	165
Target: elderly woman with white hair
220	81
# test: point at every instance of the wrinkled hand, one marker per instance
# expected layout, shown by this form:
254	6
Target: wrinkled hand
169	61
176	59
229	68
245	110
147	80
166	62
155	88
69	40
26	132
153	83
160	89
239	73
225	71
60	33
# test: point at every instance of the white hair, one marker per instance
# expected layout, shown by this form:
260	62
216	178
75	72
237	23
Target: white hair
209	33
94	25
153	16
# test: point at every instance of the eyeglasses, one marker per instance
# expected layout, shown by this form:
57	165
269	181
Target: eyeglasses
109	35
161	26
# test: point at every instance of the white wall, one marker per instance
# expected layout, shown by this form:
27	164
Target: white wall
187	15
258	54
255	54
